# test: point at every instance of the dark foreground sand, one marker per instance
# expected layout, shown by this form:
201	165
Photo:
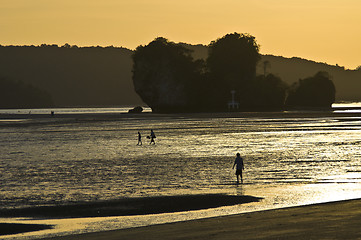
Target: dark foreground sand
14	228
337	220
130	206
119	207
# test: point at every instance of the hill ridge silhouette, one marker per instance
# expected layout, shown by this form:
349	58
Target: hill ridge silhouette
102	76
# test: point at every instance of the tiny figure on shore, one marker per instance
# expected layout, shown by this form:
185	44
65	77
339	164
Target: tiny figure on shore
152	137
139	139
238	162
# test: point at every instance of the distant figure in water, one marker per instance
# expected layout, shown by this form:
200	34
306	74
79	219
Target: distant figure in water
239	167
152	137
139	139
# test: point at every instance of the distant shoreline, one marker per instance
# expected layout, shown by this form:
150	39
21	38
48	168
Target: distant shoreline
114	112
306	113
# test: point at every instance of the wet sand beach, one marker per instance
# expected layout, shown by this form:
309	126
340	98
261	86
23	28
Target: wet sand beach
130	206
334	220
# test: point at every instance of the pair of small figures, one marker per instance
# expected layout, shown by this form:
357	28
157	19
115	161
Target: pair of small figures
151	137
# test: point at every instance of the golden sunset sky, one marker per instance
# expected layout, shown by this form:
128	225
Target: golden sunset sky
320	30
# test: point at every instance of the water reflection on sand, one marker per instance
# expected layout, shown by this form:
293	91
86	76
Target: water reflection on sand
290	160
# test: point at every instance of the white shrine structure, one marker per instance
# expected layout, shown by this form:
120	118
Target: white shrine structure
233	104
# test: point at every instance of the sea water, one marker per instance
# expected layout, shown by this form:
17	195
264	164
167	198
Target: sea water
291	161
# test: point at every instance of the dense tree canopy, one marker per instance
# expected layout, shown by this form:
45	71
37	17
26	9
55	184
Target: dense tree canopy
233	58
268	93
232	64
317	91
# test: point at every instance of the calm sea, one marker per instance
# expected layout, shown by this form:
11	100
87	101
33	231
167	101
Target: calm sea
53	163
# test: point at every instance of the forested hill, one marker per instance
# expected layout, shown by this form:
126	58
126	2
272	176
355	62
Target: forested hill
290	70
347	82
101	76
87	76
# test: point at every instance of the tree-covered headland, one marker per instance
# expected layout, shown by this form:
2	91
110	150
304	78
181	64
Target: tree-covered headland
168	79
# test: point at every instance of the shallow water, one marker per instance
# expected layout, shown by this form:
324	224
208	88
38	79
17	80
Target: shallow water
288	161
87	161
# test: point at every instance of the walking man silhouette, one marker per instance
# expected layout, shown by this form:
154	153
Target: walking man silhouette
238	162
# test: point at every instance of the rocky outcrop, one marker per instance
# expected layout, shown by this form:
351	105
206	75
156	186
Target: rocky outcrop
137	109
163	93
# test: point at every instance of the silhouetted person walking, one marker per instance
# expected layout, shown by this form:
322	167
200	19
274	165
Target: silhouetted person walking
139	139
238	162
152	137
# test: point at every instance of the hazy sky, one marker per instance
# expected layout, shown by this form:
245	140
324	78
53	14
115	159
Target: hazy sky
321	30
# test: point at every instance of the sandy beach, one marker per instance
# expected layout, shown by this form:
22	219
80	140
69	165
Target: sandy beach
335	220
